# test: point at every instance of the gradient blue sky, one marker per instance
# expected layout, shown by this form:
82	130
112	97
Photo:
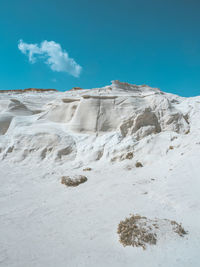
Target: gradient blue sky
154	42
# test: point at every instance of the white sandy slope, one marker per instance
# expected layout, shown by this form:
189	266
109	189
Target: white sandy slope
45	136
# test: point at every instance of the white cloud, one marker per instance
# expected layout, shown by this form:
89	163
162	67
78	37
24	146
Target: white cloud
52	54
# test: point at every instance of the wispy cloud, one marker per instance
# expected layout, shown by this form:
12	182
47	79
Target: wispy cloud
52	54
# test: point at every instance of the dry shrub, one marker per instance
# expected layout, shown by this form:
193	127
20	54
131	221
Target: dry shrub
138	164
138	231
87	169
171	147
75	181
134	232
177	228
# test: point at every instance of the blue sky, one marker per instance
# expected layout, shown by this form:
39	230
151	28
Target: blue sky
150	42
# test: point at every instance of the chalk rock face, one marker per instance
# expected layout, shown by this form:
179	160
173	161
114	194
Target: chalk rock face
5	120
41	140
95	114
87	124
130	109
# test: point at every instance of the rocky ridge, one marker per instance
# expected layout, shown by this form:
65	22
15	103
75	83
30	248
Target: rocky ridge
106	122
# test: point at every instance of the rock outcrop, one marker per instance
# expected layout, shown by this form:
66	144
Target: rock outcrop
87	124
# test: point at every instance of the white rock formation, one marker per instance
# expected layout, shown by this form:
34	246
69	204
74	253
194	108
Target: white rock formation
105	116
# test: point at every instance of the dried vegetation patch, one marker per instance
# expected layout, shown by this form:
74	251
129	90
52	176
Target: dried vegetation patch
138	231
73	181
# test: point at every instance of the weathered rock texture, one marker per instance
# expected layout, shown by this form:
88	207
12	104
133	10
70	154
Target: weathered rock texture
87	125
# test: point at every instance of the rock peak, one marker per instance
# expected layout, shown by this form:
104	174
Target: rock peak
117	85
